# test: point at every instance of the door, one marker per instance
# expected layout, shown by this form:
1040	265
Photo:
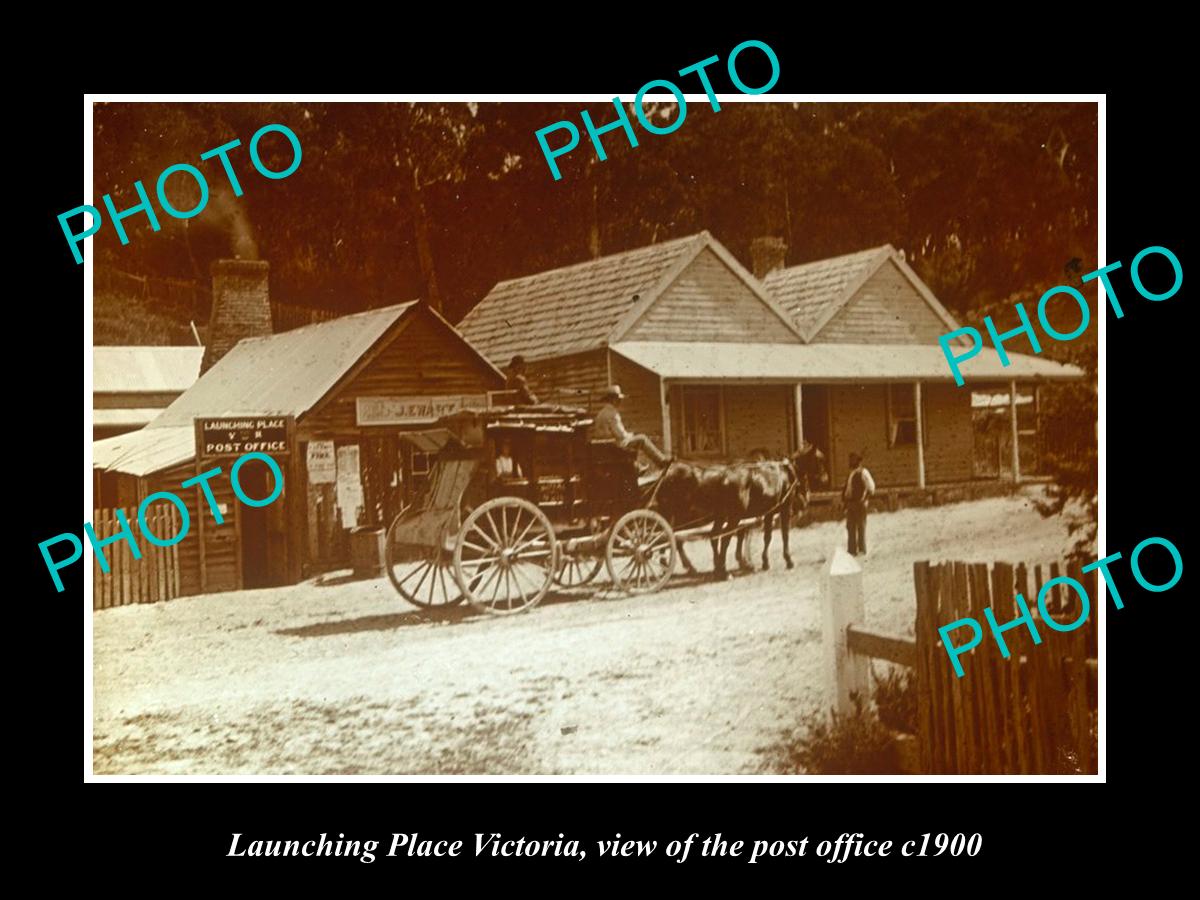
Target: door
814	405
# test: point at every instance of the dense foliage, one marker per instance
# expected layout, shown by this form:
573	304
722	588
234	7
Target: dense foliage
835	744
442	200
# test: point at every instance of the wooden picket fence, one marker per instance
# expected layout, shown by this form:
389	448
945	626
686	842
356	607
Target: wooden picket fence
150	579
1032	713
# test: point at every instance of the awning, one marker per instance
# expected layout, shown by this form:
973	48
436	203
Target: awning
694	361
146	451
124	418
428	441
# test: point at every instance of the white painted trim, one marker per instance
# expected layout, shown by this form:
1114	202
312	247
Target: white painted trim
920	412
1016	433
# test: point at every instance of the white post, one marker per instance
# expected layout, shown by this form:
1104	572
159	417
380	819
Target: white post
841	606
920	435
664	397
1016	448
798	409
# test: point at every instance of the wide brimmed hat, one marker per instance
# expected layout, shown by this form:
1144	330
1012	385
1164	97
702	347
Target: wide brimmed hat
613	392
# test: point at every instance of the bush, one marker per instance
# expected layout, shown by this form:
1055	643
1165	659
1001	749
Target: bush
896	699
855	744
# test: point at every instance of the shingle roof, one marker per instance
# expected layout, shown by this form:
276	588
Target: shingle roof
145	369
283	374
811	291
571	309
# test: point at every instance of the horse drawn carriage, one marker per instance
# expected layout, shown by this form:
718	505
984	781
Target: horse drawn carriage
519	500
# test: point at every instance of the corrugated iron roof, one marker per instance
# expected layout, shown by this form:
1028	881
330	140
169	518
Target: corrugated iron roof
143	369
832	362
145	451
571	309
133	418
282	374
811	291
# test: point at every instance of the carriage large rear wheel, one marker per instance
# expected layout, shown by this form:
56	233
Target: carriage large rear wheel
506	556
422	575
641	552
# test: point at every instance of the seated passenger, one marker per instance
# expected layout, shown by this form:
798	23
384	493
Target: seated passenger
607	426
505	467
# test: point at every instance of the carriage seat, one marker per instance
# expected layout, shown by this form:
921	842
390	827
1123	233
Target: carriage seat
609	451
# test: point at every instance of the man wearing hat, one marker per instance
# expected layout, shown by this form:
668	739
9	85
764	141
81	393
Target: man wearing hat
607	426
859	488
517	383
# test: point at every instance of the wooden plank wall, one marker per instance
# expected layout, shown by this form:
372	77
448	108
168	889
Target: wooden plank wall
887	309
950	442
575	380
152	578
859	415
1033	713
757	417
641	412
708	302
860	423
423	358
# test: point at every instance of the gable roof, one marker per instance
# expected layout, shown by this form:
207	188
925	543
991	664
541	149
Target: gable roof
813	293
282	374
571	309
590	304
124	370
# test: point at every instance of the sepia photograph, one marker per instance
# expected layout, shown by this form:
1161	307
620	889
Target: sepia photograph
754	440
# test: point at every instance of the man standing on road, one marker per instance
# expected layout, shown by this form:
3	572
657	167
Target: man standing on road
607	426
859	488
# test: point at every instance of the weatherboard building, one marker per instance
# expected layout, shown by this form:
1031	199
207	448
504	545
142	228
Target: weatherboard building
718	362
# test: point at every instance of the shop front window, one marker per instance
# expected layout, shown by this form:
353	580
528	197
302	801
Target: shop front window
702	423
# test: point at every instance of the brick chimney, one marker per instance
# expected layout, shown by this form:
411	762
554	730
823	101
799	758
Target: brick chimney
766	255
241	306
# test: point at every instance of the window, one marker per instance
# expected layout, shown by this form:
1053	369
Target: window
902	416
420	463
703	428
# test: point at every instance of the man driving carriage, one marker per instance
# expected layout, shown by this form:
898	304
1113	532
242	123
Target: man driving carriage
608	426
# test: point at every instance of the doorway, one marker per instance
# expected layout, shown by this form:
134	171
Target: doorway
263	541
814	406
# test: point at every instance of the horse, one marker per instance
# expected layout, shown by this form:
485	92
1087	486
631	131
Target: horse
727	494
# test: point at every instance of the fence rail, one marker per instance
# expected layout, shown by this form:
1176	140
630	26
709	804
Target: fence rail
152	578
1032	713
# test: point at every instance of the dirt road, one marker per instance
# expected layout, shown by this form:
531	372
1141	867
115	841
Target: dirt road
343	678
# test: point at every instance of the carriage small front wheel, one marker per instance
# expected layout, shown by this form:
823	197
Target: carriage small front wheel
505	556
641	552
420	573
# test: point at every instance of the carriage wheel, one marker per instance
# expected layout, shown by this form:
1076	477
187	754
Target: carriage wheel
576	569
422	575
505	556
641	552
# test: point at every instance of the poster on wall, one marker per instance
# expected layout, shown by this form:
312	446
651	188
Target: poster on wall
322	463
349	485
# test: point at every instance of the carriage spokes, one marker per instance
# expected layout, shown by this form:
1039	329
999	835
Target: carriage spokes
641	552
420	573
506	556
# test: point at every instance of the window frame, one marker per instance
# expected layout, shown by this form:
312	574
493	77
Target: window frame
892	420
692	390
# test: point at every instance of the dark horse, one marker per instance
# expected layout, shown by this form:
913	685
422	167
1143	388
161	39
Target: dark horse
691	495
